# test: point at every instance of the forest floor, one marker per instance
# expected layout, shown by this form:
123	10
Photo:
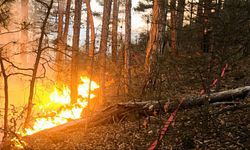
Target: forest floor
207	127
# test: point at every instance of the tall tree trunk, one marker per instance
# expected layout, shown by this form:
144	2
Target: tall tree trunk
199	22
127	45
179	21
180	13
92	27
6	98
75	51
207	8
173	27
162	28
103	47
66	25
60	46
157	41
200	11
92	47
114	30
87	34
24	32
36	65
205	19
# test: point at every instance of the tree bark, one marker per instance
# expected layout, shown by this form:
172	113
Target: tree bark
200	11
92	27
157	40
75	51
173	27
36	65
180	13
103	47
127	45
6	98
205	19
179	21
114	30
87	34
207	8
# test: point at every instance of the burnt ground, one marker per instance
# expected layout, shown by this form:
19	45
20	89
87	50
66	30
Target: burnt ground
207	127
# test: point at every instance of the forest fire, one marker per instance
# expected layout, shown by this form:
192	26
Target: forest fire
66	111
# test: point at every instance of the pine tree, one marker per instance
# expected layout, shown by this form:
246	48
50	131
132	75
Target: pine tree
92	27
114	30
75	51
127	45
157	40
103	47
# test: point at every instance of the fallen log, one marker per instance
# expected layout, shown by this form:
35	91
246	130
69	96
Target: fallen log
122	109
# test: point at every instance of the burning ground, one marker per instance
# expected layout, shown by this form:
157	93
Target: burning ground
59	109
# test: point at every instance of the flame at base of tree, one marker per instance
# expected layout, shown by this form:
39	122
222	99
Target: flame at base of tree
65	110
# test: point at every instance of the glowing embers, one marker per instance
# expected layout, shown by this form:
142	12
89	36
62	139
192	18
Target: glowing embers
66	111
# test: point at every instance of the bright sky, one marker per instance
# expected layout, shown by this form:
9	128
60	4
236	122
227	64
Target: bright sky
137	22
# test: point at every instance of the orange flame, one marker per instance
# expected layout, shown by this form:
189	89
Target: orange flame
67	111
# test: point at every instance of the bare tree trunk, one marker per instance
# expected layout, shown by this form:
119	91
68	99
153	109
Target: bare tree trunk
205	19
103	47
114	30
162	28
180	13
6	98
36	65
75	51
207	8
127	45
157	40
66	25
92	27
179	21
87	35
60	46
200	11
24	32
120	64
199	22
152	36
173	27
